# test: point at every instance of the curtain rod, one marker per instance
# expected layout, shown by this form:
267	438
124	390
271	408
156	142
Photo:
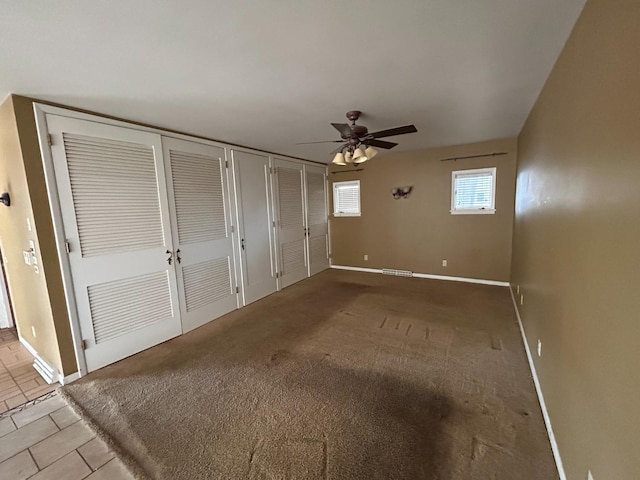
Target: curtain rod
349	171
474	156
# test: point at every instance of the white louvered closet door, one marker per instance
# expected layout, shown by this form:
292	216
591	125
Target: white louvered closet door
112	191
254	207
201	222
317	226
291	222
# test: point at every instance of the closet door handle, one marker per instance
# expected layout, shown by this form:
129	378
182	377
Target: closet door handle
242	243
170	258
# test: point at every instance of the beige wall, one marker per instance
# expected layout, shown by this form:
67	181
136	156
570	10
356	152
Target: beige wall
417	233
21	175
577	238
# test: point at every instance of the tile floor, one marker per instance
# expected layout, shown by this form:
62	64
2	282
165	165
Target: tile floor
19	381
47	440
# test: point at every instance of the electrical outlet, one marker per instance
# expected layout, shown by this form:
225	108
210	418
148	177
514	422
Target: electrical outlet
366	257
539	347
521	299
33	331
444	263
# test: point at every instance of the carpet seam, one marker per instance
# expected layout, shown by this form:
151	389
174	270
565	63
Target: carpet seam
134	467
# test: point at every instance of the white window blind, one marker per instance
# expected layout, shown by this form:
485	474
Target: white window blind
346	199
473	191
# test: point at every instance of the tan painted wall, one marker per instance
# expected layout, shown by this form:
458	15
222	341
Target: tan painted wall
50	263
577	238
418	232
21	175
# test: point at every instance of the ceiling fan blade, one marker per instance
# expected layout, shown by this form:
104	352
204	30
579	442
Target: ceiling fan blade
380	144
343	128
326	141
337	150
394	131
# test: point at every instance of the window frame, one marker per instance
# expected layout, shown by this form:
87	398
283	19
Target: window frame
473	211
336	186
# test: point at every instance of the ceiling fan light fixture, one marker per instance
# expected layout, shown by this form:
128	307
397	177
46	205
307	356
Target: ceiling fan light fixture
357	154
361	159
370	152
348	157
339	159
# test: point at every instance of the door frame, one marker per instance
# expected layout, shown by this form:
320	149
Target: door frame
40	112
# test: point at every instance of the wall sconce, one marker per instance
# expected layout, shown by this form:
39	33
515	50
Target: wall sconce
401	192
5	199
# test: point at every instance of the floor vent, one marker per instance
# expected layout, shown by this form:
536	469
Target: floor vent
397	273
44	370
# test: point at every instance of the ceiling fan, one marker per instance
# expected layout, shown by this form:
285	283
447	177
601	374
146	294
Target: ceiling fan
357	143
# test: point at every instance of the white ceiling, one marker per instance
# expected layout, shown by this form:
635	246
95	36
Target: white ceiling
268	74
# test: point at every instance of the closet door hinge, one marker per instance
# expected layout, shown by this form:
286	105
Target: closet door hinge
233	229
277	275
237	289
274	223
49	141
84	344
67	246
226	164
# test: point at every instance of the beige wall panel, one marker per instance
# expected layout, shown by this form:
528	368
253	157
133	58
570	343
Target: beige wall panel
28	289
577	232
418	232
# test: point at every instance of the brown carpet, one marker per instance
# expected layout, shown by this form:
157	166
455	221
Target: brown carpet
345	375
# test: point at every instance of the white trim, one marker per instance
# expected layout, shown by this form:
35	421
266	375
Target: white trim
427	275
69	378
470	172
357	269
45	370
462	279
95	117
536	381
468	211
60	236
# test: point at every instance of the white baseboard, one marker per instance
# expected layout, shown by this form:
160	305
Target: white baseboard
69	378
536	381
427	275
45	370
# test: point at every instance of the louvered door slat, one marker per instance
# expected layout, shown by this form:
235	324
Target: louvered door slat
292	227
119	307
316	205
290	197
207	282
116	202
199	197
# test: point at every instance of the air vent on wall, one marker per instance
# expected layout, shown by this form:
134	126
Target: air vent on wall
397	273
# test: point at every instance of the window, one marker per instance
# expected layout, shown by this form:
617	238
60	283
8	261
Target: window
346	199
473	191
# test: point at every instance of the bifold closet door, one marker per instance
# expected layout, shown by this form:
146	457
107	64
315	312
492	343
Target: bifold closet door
252	182
201	223
317	226
112	189
291	222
